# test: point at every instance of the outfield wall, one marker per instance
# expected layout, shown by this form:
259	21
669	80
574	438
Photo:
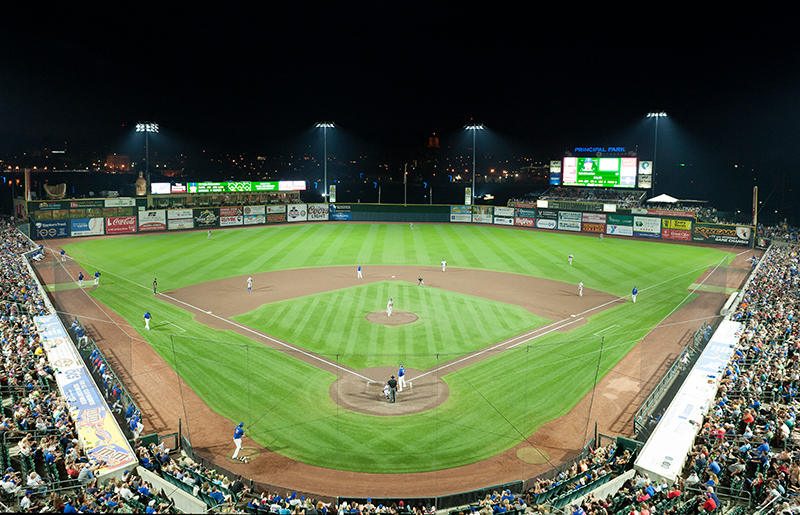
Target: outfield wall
585	218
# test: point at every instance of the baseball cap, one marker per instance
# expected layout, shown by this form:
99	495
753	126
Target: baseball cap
241	424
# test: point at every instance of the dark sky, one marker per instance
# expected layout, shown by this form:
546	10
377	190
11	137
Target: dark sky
245	76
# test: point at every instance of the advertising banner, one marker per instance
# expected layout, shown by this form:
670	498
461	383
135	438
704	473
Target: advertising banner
153	220
671	223
502	220
120	224
274	210
645	174
467	196
569	225
646	227
254	210
297	213
619	230
722	234
318	211
570	216
593	227
676	234
524	205
526	213
52	229
550	214
332	195
180	224
174	214
340	212
255	219
460	213
230	216
87	227
620	220
525	222
482	214
546	223
504	211
595	218
119	202
662	212
206	218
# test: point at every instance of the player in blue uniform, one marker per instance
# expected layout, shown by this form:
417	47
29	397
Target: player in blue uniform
146	318
97	278
633	294
63	255
80	279
238	434
401	376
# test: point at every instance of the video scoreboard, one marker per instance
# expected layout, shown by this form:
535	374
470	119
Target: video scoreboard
599	172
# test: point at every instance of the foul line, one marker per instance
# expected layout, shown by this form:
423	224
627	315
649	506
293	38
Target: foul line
270	338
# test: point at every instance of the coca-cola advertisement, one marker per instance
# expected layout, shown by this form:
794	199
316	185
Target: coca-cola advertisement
120	224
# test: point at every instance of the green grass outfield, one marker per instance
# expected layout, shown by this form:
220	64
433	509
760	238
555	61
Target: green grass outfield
493	405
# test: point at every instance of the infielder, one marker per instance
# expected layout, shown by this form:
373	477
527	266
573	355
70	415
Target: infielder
389	307
97	278
633	294
401	376
580	288
249	284
444	265
80	279
147	317
155	286
420	282
238	433
570	260
359	271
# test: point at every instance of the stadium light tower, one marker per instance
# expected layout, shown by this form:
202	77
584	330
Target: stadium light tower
147	128
325	126
474	128
656	115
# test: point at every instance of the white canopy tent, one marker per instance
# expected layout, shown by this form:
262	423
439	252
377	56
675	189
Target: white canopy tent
664	198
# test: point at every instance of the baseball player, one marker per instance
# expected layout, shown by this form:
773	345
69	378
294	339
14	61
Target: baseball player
633	294
209	235
401	376
389	307
63	255
80	279
359	271
580	288
444	265
392	382
155	286
420	282
249	284
97	278
238	433
570	260
601	237
147	317
412	226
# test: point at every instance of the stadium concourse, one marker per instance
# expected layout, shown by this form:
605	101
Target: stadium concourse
745	448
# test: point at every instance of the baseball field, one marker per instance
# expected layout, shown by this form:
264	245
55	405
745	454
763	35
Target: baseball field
495	347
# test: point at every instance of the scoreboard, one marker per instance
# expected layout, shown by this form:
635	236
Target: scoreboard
600	172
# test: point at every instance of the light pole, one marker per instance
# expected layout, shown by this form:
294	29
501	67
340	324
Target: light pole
325	126
147	128
656	115
474	127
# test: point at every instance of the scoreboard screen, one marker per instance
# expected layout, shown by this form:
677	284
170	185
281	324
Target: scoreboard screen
600	172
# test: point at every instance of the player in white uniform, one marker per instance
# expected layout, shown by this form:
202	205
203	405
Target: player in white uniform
389	307
570	259
249	284
580	288
444	265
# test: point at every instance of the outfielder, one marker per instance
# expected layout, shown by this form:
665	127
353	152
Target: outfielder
633	294
238	433
570	260
389	307
155	286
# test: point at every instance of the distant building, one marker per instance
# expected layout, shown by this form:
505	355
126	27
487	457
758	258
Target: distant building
118	164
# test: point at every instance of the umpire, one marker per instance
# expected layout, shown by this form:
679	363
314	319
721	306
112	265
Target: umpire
392	382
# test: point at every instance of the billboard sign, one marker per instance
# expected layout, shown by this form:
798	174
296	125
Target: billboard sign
87	227
153	220
120	224
206	218
524	222
722	234
180	224
646	227
52	229
230	216
340	212
482	214
460	213
297	213
546	223
318	212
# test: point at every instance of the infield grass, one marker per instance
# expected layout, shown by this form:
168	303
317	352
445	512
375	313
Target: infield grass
493	405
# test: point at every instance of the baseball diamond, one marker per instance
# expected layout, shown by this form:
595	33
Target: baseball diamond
502	353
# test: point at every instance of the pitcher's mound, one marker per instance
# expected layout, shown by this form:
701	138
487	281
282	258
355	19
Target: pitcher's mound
397	318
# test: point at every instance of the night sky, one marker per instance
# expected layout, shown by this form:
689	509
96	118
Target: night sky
246	76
